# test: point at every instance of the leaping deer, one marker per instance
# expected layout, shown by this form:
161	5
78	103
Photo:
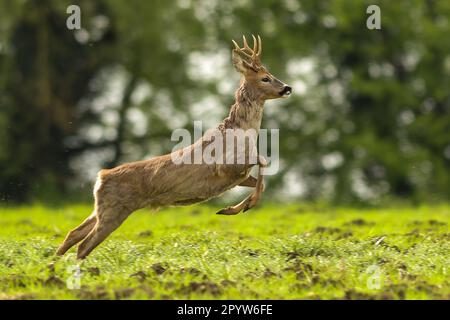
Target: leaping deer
159	181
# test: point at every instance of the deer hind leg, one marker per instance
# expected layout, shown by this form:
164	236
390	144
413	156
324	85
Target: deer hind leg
76	235
108	220
253	198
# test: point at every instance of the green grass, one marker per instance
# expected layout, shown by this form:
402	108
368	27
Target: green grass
276	252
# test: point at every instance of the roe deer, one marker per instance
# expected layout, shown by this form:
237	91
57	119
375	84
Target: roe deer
161	182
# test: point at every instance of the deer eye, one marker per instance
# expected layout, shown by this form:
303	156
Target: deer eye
266	79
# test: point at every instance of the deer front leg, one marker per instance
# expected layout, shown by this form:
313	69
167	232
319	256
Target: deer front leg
259	189
253	198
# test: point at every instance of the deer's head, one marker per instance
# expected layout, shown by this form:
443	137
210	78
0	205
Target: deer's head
258	79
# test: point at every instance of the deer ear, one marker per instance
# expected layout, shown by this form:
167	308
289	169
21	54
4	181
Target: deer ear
240	64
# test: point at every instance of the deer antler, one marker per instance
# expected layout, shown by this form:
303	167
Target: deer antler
253	54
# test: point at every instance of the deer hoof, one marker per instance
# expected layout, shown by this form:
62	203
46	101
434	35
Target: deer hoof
228	211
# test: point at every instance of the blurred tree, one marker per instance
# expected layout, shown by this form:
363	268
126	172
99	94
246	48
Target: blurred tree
48	71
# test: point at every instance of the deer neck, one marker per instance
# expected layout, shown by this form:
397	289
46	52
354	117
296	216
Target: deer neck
247	111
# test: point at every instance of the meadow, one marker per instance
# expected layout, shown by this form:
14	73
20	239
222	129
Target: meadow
286	251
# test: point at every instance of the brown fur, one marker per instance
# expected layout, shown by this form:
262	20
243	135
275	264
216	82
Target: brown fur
160	182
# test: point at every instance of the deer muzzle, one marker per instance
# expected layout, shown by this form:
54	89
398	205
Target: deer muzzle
286	91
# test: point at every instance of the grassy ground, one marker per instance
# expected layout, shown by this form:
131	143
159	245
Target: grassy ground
280	252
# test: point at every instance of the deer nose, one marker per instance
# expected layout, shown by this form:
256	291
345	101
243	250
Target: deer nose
286	91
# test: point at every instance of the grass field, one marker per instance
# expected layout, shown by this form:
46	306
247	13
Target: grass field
276	252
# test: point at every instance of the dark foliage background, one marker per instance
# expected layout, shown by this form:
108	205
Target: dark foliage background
368	122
